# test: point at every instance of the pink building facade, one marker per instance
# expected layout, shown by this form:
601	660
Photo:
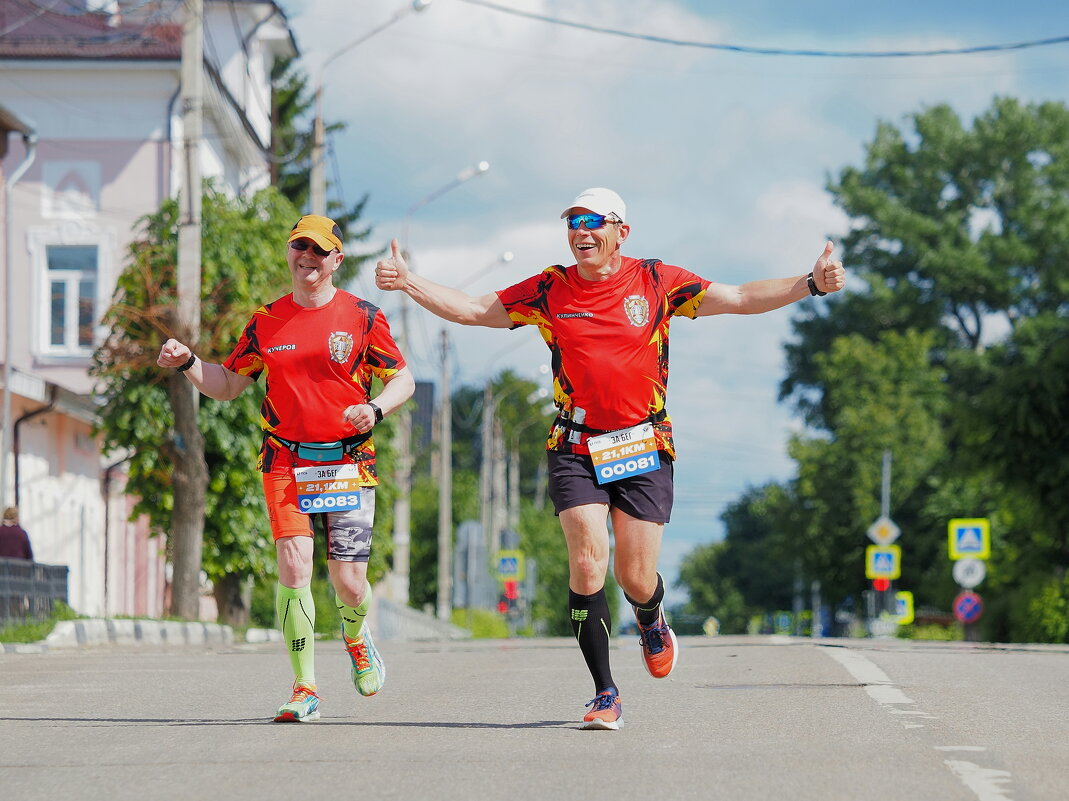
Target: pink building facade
91	135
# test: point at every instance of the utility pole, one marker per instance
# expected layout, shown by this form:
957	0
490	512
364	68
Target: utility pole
402	505
514	487
192	131
318	174
499	493
190	476
445	489
486	518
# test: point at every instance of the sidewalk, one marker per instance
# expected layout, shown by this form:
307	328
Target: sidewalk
97	631
389	620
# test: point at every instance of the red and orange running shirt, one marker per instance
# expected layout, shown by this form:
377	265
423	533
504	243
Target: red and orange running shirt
317	361
609	341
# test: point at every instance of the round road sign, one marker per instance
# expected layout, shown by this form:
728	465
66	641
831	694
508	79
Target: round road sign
969	572
968	606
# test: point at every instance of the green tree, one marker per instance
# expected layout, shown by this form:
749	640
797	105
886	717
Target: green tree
958	234
753	569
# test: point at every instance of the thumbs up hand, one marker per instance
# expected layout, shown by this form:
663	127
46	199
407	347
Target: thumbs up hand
829	275
391	273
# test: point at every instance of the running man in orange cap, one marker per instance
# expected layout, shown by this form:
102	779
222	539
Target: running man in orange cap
319	348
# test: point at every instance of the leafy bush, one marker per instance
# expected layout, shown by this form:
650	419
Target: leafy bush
37	630
931	631
484	623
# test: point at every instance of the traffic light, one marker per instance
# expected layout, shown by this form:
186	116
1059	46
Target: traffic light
881	584
512	591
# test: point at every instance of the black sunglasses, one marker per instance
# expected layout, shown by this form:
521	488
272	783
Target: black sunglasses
592	221
303	244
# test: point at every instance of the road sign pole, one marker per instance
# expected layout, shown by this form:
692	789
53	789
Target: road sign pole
885	488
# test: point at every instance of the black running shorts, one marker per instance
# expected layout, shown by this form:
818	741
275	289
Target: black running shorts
647	496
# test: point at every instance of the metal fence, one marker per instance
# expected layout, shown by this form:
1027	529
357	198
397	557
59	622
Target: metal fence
29	590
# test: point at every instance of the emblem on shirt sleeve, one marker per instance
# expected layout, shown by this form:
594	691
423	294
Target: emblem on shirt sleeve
341	345
637	309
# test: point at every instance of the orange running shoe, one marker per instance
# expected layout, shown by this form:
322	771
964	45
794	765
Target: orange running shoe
606	711
659	648
303	706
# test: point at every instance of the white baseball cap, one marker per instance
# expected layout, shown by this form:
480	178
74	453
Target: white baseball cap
600	201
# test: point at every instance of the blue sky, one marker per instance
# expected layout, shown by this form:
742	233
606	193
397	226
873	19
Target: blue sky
721	157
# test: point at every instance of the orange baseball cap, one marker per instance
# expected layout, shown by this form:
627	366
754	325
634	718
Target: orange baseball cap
321	230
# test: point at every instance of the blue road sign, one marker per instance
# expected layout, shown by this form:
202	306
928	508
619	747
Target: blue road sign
883	561
510	565
969	538
968	607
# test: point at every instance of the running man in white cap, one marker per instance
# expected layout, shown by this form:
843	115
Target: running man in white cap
610	449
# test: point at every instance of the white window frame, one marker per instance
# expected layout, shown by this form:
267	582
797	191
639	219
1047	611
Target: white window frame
40	238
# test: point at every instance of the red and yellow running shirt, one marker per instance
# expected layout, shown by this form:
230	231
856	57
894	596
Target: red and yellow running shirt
317	361
609	341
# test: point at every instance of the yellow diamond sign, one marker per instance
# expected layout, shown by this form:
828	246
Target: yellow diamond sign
883	531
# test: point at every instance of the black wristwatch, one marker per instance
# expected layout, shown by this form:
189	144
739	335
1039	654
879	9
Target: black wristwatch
188	364
377	411
813	286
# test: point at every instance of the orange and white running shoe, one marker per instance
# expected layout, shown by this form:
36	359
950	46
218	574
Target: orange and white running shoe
606	711
659	648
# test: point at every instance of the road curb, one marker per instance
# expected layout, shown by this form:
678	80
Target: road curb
99	631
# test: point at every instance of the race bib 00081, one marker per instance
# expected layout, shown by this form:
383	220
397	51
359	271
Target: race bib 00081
327	488
627	452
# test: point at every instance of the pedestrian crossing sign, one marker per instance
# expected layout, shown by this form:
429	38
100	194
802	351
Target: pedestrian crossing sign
510	565
969	538
883	561
904	607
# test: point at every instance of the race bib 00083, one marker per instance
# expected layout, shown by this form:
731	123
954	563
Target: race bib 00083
327	488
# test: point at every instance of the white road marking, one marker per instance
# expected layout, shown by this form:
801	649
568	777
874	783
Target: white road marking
986	783
982	781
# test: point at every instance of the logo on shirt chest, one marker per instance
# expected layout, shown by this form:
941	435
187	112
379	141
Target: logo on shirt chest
340	344
637	309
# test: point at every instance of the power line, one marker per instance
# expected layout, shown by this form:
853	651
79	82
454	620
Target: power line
774	51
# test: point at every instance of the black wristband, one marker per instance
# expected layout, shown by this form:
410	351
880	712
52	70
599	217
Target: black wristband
187	365
813	286
377	411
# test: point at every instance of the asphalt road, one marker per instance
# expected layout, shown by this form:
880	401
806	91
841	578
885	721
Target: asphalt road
741	718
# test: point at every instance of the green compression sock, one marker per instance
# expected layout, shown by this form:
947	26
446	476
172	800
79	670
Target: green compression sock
297	617
352	618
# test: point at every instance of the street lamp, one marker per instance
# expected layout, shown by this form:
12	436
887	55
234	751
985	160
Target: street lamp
318	176
504	258
464	175
402	509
